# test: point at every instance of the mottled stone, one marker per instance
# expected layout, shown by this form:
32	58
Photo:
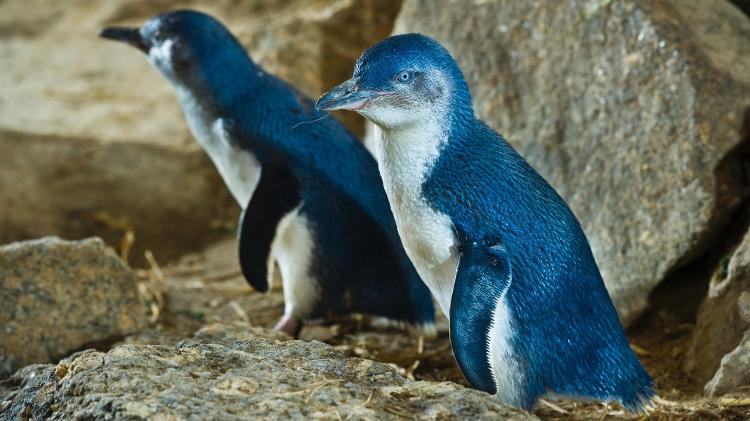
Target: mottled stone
633	110
254	379
733	372
721	340
61	296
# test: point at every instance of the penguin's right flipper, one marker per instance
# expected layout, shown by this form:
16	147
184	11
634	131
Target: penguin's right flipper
483	276
276	195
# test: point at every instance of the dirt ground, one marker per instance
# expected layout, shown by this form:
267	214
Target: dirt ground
207	288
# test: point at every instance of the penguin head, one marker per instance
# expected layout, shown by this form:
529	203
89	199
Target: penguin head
402	80
184	45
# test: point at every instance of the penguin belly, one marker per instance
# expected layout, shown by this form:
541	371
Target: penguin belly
238	168
293	250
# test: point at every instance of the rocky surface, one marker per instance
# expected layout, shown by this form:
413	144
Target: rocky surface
634	110
206	298
257	378
92	141
734	370
207	302
61	296
723	327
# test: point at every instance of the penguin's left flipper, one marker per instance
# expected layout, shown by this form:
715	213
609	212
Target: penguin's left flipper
483	276
276	195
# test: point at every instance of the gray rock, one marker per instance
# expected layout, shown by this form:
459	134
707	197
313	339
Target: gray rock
721	339
168	197
733	372
633	110
254	379
237	331
61	296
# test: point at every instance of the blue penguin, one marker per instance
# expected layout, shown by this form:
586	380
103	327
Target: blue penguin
313	202
504	256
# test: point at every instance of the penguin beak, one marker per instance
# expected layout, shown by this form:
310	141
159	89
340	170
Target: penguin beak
347	96
130	36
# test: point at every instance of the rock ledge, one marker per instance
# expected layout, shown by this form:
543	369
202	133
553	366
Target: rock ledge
258	378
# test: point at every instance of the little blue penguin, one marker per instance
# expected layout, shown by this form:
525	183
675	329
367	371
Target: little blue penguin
504	256
313	201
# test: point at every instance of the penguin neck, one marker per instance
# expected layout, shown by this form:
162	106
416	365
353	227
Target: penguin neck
407	153
208	94
222	92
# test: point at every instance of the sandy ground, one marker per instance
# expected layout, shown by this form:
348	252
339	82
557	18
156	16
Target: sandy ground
207	288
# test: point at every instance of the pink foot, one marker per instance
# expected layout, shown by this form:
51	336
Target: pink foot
289	326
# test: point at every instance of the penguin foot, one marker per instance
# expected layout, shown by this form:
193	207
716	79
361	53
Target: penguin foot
289	325
428	330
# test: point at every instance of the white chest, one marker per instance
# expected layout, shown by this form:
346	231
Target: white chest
239	168
404	160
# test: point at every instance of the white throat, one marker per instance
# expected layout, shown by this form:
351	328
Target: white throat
405	157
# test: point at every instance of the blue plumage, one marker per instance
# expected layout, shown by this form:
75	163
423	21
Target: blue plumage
529	312
317	179
565	325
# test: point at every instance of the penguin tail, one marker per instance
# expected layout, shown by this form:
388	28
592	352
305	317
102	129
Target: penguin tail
636	390
611	373
642	401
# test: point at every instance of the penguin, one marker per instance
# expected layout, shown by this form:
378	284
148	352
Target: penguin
311	196
503	254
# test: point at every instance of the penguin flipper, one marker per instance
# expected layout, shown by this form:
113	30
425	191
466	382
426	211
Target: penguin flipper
276	195
483	276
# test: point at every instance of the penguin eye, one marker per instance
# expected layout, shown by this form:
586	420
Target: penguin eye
403	77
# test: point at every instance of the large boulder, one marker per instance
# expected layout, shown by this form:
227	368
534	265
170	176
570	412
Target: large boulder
171	198
62	296
634	110
720	348
253	379
92	140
